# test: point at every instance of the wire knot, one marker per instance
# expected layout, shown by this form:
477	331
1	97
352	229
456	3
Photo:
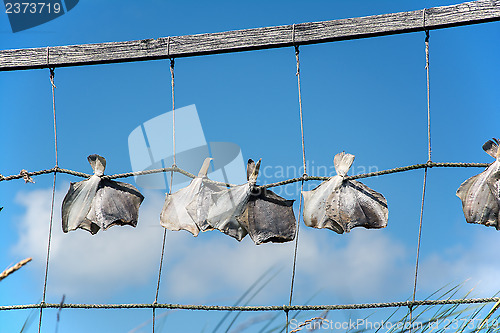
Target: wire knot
297	59
26	176
52	74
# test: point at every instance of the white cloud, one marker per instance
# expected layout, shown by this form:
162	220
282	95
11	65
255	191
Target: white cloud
82	264
475	261
364	265
361	264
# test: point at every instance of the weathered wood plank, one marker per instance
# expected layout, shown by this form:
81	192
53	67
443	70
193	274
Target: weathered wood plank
252	39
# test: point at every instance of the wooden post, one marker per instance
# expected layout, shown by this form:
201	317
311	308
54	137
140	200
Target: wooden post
467	13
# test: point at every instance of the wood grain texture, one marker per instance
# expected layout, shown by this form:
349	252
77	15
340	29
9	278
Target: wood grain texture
468	13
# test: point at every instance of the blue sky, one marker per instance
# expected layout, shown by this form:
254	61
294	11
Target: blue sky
367	97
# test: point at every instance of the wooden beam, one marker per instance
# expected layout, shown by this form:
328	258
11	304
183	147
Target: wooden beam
252	39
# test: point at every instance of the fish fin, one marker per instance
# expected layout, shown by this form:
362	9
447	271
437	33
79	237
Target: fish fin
98	164
306	195
491	147
465	187
342	162
204	168
174	215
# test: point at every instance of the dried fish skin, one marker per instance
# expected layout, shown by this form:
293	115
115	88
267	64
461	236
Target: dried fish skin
315	202
339	204
77	203
174	215
222	208
268	217
356	205
225	207
115	203
480	194
98	203
198	208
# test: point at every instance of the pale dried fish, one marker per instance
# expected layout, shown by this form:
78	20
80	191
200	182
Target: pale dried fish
220	209
267	216
480	194
198	208
174	215
340	204
98	203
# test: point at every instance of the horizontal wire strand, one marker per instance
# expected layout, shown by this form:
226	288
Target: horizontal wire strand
280	183
253	308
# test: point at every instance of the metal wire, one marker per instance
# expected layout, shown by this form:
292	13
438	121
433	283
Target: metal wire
429	151
169	189
302	183
247	308
53	194
280	183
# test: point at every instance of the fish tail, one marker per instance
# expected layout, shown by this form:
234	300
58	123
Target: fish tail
342	162
253	170
98	164
491	148
204	168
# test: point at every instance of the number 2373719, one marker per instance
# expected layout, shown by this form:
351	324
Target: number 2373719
32	8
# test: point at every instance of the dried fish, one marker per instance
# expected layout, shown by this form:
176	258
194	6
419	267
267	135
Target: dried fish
198	208
174	215
98	203
480	194
267	216
340	204
219	207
